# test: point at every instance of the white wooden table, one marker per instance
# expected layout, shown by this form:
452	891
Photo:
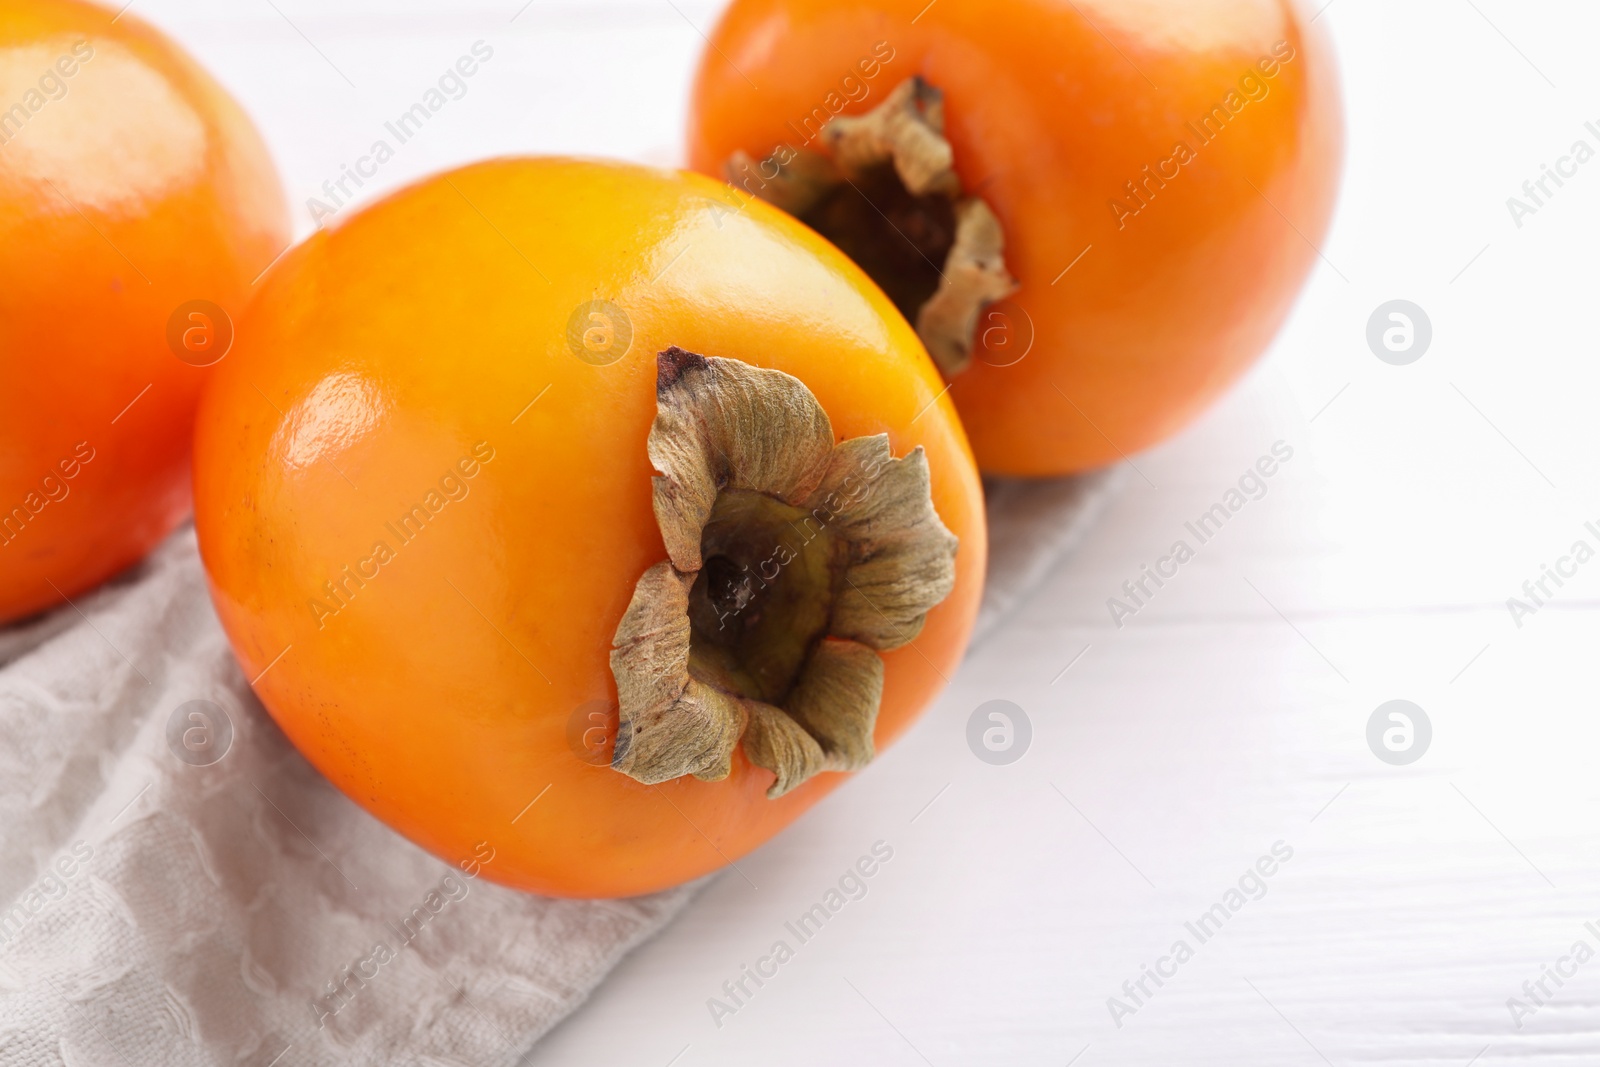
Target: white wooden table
1230	713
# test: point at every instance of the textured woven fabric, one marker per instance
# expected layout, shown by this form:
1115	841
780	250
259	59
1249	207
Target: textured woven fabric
174	895
158	912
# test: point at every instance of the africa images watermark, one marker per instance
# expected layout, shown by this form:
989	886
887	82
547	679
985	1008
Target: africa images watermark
52	85
1566	167
854	87
1136	992
1252	486
806	528
1538	591
342	989
851	886
1562	967
54	487
451	85
340	590
44	892
1253	88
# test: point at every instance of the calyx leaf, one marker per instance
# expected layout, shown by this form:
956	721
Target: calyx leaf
857	557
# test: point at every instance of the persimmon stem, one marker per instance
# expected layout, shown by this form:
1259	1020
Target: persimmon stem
887	194
792	563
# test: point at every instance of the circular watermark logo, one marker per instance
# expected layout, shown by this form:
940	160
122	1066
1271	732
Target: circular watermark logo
999	732
591	728
1399	732
599	332
199	732
199	332
1003	335
1399	332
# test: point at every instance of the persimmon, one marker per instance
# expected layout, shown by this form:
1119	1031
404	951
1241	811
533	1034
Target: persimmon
1096	213
137	204
586	516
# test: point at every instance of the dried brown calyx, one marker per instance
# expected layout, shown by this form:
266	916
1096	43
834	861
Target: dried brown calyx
887	196
792	563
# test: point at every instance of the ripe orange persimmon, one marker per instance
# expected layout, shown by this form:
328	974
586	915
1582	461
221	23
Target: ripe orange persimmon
1161	172
428	515
137	203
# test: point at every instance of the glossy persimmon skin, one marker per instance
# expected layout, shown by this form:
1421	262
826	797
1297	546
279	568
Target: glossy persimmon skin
1051	107
130	184
432	328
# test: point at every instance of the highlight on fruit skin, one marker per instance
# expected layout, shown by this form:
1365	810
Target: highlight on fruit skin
137	204
1097	214
429	485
